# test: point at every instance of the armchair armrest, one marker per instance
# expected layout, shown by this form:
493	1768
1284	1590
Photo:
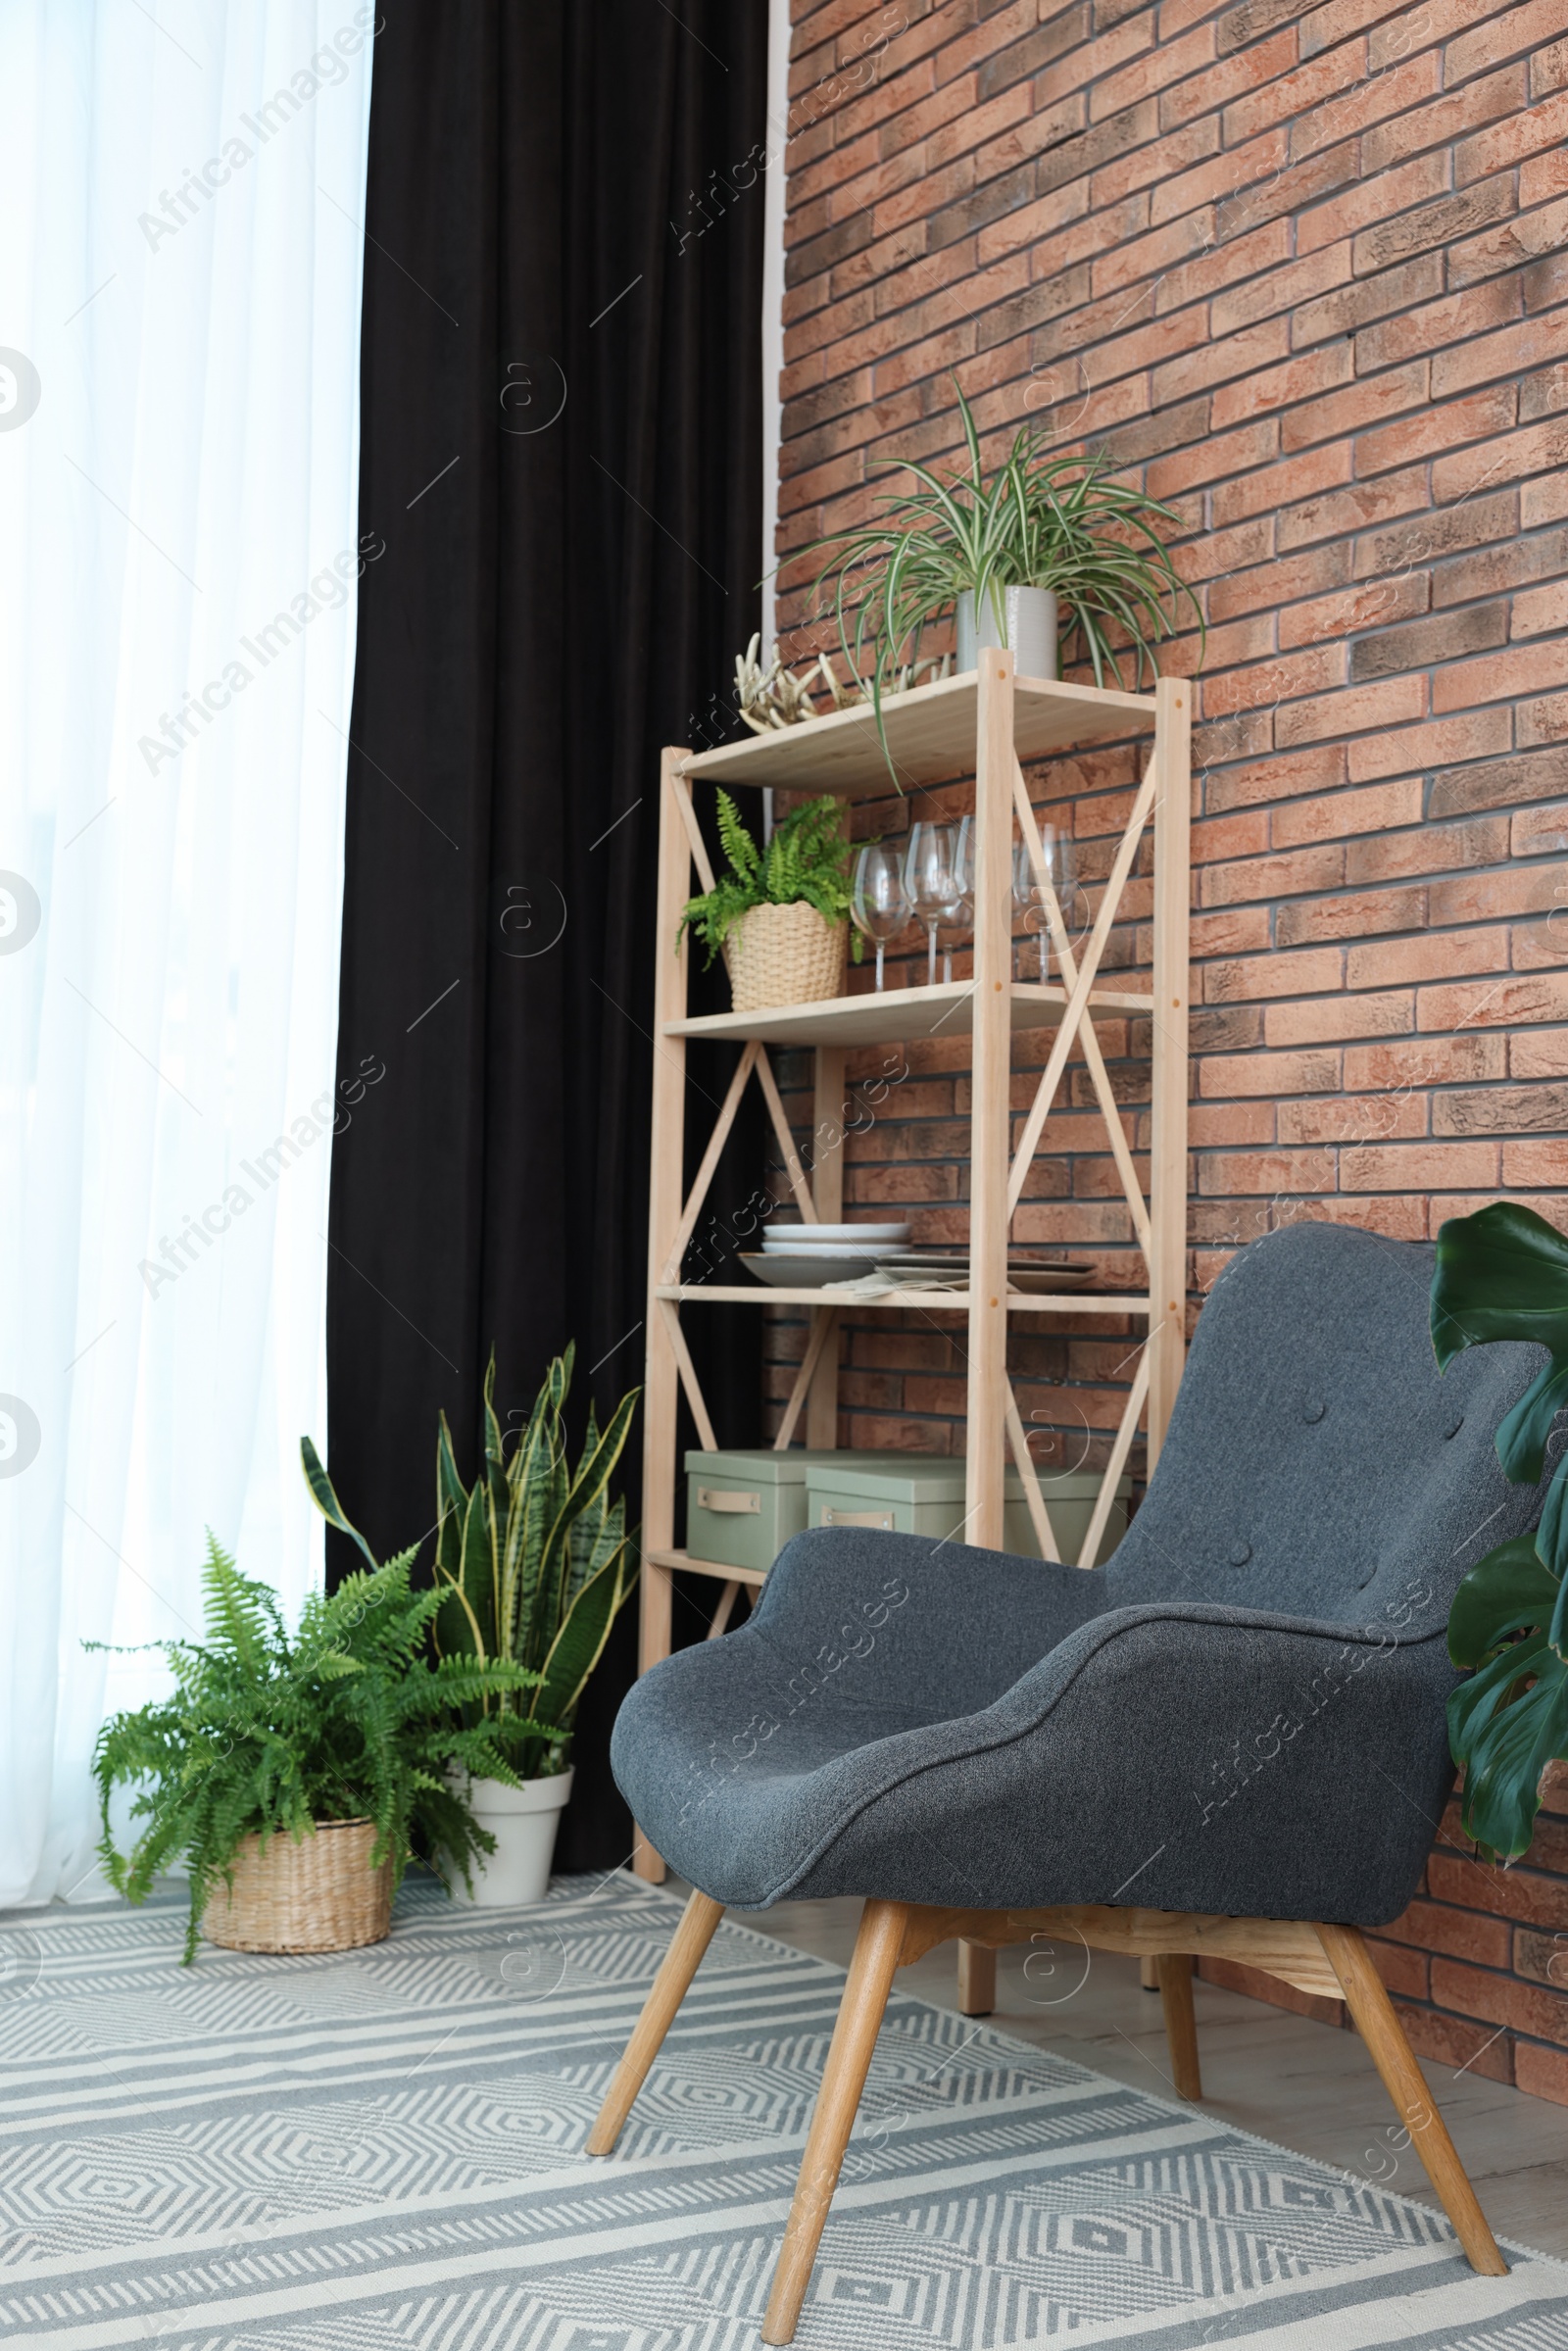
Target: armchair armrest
940	1627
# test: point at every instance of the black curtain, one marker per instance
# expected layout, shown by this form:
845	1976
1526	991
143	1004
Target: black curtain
560	502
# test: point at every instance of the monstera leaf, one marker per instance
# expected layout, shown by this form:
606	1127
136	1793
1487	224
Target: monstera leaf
1503	1274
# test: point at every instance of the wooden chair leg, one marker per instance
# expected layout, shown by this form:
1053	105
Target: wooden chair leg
865	1996
1373	2015
977	1978
679	1965
1181	2025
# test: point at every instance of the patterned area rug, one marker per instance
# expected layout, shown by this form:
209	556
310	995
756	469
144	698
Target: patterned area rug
382	2152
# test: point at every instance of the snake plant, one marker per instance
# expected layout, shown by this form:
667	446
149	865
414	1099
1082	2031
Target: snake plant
1503	1274
533	1563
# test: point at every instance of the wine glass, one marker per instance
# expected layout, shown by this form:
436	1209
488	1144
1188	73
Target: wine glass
957	915
1057	848
881	903
931	876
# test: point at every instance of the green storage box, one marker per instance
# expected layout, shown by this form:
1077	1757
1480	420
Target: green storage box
743	1502
918	1494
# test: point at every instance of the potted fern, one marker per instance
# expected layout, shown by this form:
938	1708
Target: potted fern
293	1773
780	915
533	1564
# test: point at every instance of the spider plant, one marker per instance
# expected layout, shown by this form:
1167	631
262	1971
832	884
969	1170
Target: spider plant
1043	520
1503	1274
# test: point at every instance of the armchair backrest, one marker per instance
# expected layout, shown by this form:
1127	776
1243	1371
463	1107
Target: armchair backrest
1317	1464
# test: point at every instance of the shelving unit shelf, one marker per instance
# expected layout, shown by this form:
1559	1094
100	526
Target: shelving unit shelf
982	724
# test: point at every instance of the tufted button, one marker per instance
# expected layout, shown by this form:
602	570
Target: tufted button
1239	1553
1313	1407
1452	1428
1367	1575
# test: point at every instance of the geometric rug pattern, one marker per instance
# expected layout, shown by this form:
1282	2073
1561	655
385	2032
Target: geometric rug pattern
382	2151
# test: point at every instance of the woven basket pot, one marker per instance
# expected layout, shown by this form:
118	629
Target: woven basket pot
785	955
321	1894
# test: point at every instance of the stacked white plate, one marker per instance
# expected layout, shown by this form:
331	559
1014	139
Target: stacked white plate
803	1256
940	1270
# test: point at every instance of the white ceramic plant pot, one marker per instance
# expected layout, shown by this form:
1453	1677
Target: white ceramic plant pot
1031	636
524	1822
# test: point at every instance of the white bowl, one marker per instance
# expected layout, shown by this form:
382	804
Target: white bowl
795	1269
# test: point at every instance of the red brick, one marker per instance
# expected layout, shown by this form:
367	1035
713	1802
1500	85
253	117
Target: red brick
1355	509
1241	1172
1529	2008
1421	1166
1540	2070
1516	1893
1309	1022
1338	813
1457	2044
1443	743
1433	954
1270	388
1347	1119
1358	914
1384	197
1508	33
1271	1074
1308	972
1393	702
1424	1061
1496	1004
1520	669
1541	1054
1536	231
1308	98
1480	418
1432	325
1372	605
1404	1971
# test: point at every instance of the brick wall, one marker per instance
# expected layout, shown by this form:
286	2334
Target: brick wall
1298	267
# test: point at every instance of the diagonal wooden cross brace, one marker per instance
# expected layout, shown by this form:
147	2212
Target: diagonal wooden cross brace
1078	991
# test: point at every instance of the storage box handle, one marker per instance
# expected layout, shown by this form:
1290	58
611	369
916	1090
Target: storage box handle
720	1498
855	1518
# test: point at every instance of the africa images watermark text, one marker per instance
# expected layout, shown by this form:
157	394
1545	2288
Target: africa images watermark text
326	593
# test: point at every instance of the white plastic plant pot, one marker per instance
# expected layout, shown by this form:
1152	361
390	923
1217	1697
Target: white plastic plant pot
1031	636
524	1822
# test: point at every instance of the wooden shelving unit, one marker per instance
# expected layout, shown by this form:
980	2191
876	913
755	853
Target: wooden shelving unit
984	723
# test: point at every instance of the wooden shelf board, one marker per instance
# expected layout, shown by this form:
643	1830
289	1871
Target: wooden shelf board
931	737
706	1567
898	1015
948	1301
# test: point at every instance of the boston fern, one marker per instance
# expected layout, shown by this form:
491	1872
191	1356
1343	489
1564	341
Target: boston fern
1503	1274
807	859
265	1733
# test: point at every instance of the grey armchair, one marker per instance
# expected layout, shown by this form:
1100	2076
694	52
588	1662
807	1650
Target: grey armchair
1229	1739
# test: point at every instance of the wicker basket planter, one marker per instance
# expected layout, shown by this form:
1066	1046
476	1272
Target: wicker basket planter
785	955
321	1894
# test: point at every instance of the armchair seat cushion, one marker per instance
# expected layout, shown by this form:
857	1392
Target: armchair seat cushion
929	1722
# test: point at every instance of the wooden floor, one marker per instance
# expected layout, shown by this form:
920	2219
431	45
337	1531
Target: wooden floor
1303	2085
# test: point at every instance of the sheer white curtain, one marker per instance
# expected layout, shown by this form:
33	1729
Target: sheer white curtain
181	186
